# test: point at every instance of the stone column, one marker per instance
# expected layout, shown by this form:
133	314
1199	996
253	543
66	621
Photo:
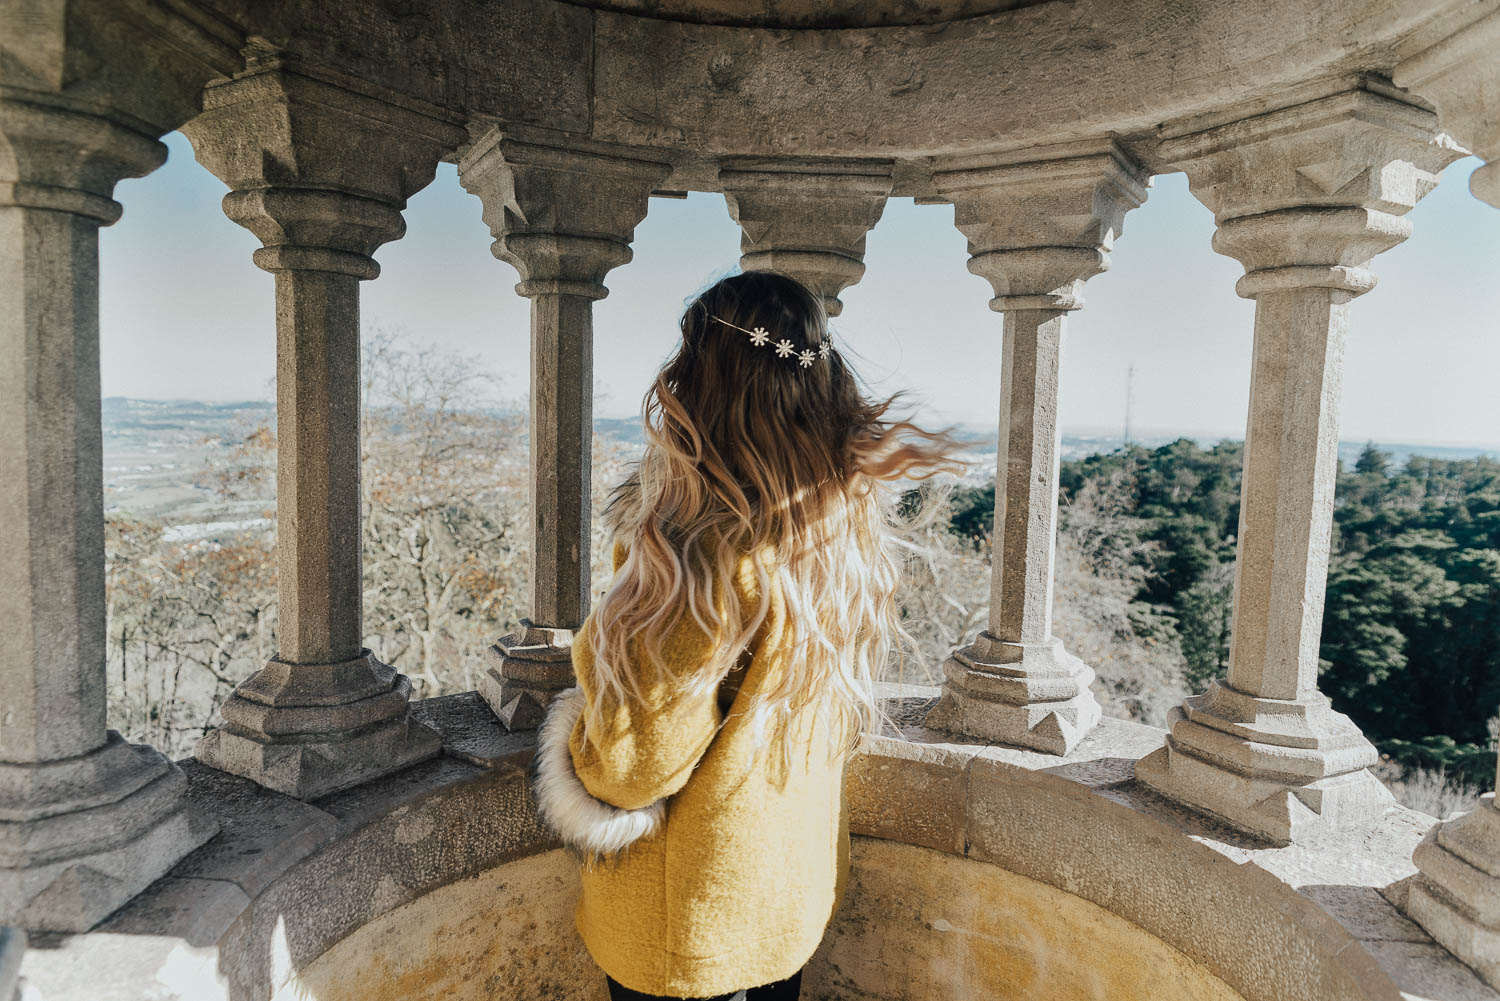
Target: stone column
563	218
1456	893
1039	226
807	219
86	819
1304	197
320	175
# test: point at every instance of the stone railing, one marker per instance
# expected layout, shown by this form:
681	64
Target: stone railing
976	869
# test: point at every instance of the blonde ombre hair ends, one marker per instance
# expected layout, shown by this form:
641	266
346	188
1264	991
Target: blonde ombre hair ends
748	451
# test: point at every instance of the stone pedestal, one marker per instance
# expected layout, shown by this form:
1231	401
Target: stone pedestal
807	219
320	175
86	819
563	218
1304	197
1032	695
526	669
1456	894
1038	228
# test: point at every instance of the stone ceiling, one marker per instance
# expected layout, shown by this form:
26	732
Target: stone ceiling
808	13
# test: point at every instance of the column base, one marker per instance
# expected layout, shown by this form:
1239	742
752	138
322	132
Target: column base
1455	895
308	730
1033	695
1280	770
527	670
81	836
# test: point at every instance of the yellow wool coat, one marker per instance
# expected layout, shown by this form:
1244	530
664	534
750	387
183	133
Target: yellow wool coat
733	860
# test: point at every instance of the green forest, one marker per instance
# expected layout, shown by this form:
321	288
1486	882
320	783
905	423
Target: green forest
1411	626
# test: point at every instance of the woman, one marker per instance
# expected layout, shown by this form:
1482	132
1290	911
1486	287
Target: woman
697	768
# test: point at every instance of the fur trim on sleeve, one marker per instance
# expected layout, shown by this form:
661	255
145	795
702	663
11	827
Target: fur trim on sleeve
583	821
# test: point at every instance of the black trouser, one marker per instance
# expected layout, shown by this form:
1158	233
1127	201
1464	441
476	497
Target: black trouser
782	990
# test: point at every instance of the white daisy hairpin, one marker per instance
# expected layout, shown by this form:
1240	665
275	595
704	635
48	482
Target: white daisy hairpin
760	337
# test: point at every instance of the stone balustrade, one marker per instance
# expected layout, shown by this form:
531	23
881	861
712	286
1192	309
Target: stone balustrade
437	882
328	833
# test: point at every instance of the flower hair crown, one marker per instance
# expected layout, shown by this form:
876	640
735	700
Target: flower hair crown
760	337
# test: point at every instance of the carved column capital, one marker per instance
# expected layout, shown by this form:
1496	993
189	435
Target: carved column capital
65	158
1305	196
318	172
807	219
1040	223
1460	76
562	217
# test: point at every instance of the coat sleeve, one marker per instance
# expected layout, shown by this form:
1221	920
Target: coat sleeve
602	793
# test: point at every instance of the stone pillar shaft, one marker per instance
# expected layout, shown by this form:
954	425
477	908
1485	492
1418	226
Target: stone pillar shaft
52	495
1304	197
1026	478
562	435
564	218
86	819
317	467
1038	228
1286	507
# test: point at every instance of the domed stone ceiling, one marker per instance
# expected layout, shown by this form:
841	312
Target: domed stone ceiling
809	13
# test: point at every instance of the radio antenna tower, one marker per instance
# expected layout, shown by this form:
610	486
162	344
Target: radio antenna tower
1129	400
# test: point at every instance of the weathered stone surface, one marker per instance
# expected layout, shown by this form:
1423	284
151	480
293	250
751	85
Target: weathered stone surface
1460	75
470	731
330	117
1304	197
262	833
138	61
911	91
1424	970
506	932
807	219
913	792
563	216
198	911
921	924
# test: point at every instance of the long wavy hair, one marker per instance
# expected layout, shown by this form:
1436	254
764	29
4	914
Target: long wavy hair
750	451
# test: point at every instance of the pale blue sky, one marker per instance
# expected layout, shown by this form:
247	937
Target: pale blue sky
184	312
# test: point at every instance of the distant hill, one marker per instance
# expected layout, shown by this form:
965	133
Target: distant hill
125	414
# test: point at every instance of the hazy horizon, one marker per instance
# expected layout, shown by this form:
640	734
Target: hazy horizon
1139	434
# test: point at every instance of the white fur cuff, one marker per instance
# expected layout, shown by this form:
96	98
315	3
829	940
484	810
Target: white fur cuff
580	819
